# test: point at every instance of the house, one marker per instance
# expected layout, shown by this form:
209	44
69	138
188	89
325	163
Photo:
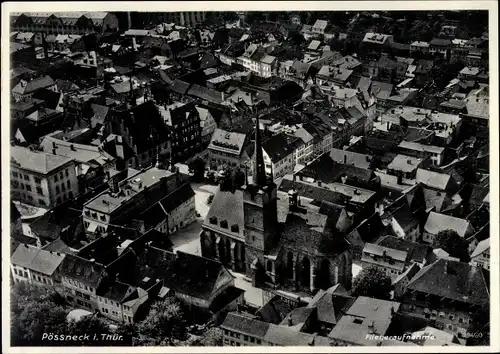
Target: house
184	122
299	73
368	230
437	181
405	166
401	281
454	295
128	202
91	163
436	153
440	46
257	60
279	153
127	131
24	90
52	99
80	279
227	149
419	46
377	41
207	124
481	255
392	262
245	330
416	252
332	76
36	266
437	222
198	281
366	316
42	179
319	27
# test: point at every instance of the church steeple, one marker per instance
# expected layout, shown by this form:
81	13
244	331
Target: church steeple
259	172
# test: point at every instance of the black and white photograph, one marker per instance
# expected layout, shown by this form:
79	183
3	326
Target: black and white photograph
286	177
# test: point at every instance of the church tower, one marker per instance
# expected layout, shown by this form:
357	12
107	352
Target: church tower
259	207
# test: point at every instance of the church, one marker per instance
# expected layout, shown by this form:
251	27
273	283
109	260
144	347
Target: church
275	237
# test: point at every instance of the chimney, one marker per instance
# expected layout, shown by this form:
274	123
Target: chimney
445	267
289	319
345	159
408	161
54	145
53	151
292	199
400	178
119	147
319	183
72	147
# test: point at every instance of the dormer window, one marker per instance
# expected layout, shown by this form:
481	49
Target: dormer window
223	224
235	228
213	220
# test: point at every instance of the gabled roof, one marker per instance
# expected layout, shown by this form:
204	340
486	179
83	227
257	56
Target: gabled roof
36	259
279	146
416	252
244	324
433	179
24	88
194	275
481	247
36	161
51	98
86	271
454	281
331	307
226	206
437	222
229	142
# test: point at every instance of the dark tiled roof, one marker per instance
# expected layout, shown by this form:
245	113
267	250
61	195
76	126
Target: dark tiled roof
331	307
84	270
51	98
100	114
455	281
312	192
279	146
177	197
50	225
115	291
305	233
180	86
417	252
244	324
275	310
205	93
226	206
194	275
229	294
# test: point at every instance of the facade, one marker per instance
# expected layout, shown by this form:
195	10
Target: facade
24	90
64	22
132	199
481	255
184	122
390	261
42	179
227	149
451	293
279	153
207	124
36	266
437	222
256	60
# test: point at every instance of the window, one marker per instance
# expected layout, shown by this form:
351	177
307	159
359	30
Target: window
39	190
61	175
451	317
26	177
68	184
28	188
55	178
67	173
63	187
57	189
103	217
30	198
14	174
38	180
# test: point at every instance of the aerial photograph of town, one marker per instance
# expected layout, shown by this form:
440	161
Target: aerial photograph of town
223	179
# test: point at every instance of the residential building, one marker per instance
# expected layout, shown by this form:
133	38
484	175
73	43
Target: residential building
24	90
440	46
437	222
207	124
42	179
436	153
319	27
36	266
390	261
333	76
404	166
419	46
452	294
138	141
366	316
91	163
481	255
184	122
279	153
257	60
227	149
64	22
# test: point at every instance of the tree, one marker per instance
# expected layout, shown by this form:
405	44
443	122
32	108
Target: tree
165	322
129	331
197	168
211	338
372	282
452	243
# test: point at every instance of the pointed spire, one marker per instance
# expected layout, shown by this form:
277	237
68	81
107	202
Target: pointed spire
259	172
